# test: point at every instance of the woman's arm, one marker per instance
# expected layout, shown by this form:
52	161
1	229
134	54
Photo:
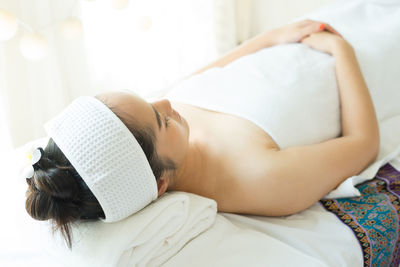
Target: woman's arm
297	177
358	114
290	33
263	40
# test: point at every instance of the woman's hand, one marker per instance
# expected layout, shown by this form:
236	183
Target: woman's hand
326	42
295	32
291	33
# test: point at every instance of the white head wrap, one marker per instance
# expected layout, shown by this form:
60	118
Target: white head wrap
106	155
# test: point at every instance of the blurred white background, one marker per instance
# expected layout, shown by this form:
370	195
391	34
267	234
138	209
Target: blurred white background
85	47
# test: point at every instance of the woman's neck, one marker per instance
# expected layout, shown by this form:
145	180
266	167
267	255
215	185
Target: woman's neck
191	176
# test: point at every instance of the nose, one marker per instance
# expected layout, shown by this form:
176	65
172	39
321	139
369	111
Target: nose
165	106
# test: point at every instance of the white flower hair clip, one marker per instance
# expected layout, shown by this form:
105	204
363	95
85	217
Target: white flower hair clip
33	158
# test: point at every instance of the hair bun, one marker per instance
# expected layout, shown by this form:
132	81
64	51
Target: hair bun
56	192
53	192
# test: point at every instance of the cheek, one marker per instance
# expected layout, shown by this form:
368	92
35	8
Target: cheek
169	144
174	143
179	141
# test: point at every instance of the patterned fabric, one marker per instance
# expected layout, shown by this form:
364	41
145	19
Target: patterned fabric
374	217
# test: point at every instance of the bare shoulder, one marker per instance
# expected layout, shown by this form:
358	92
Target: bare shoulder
250	178
293	179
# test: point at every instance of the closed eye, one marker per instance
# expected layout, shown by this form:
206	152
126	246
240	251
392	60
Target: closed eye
167	121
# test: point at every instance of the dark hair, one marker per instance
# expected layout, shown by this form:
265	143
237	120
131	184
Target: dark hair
56	192
145	136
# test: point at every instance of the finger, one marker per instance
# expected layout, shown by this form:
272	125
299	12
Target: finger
319	26
312	28
305	22
305	39
305	42
308	42
331	29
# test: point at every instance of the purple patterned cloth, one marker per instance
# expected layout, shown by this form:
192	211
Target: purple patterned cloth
374	217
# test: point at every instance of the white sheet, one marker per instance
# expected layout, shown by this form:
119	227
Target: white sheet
313	237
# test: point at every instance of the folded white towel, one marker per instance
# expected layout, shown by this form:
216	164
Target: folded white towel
148	238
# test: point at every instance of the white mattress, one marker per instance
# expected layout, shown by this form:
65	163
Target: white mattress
314	237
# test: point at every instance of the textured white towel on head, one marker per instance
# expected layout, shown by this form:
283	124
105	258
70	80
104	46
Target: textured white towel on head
106	155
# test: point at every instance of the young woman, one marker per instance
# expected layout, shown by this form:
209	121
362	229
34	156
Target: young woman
225	157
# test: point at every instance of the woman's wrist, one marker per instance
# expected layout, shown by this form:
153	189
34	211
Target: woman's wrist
263	40
272	38
256	43
341	45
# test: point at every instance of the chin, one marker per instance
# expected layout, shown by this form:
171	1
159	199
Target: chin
187	126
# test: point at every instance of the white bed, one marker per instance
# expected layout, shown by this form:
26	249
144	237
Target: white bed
171	233
314	237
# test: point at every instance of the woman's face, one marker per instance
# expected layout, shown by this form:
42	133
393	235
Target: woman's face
171	130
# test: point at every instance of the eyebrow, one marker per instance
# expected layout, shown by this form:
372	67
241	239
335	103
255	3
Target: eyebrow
158	117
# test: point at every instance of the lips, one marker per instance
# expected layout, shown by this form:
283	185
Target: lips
179	116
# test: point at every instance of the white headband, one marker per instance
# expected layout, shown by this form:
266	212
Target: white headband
106	155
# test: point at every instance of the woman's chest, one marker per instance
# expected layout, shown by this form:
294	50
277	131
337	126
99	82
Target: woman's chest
236	146
223	130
